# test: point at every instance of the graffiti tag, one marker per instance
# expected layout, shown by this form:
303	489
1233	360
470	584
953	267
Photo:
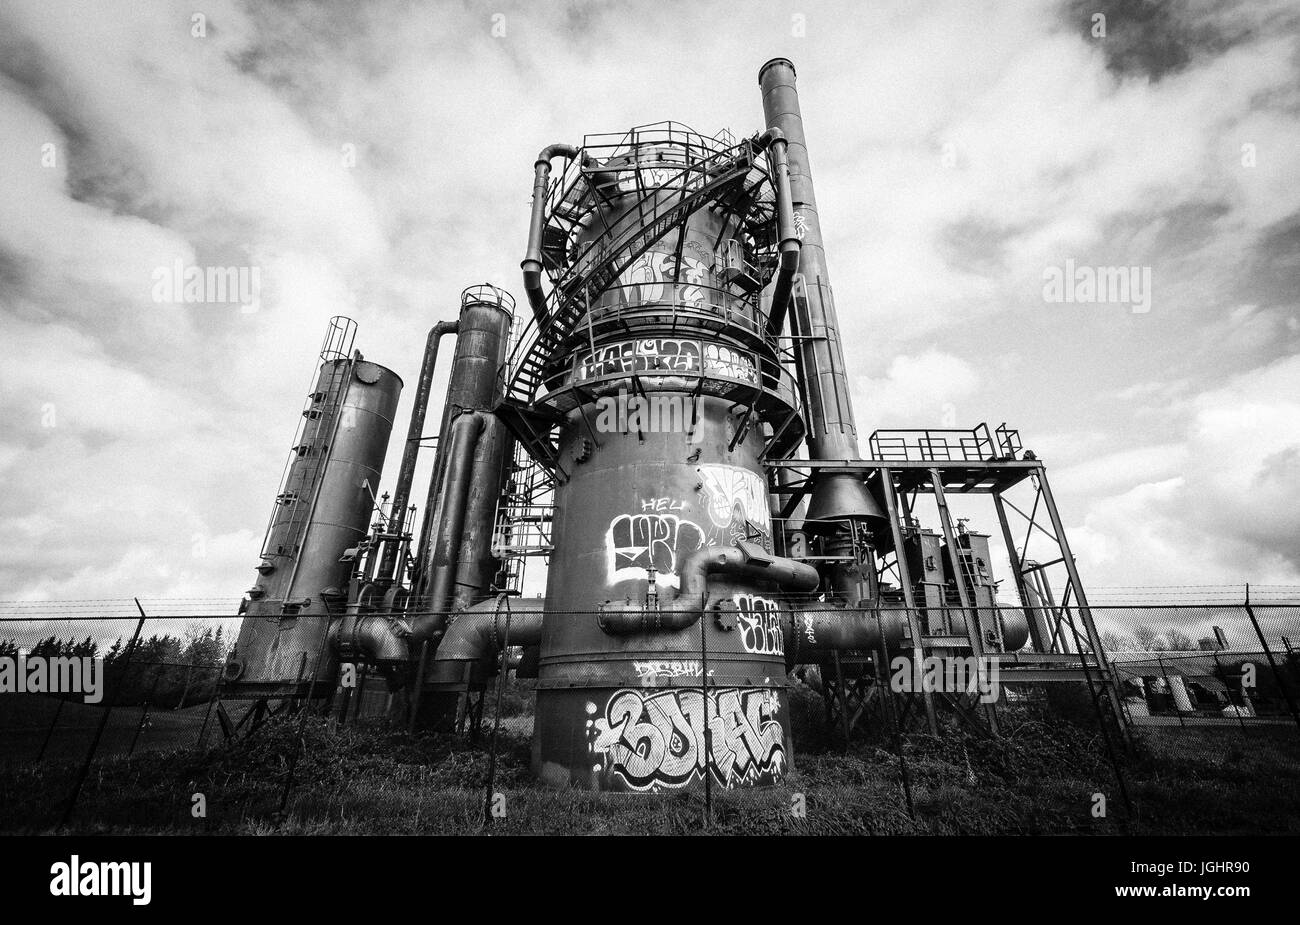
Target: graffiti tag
652	741
641	356
647	278
635	542
759	620
736	499
651	673
732	364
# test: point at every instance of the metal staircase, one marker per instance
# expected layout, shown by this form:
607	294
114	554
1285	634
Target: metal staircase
600	264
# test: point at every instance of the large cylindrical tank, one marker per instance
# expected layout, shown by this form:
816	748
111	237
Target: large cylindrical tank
323	509
668	392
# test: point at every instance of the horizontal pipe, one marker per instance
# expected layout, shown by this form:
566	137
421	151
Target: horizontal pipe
810	635
745	560
479	632
532	262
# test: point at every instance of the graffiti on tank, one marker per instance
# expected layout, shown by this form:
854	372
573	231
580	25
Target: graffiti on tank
729	363
736	499
650	177
759	620
809	633
800	225
662	505
635	542
660	354
653	741
653	275
652	673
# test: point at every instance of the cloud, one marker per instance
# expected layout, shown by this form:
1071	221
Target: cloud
373	160
1218	506
916	391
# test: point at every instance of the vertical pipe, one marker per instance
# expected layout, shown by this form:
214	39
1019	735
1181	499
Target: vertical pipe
708	731
532	262
496	711
411	452
832	432
464	435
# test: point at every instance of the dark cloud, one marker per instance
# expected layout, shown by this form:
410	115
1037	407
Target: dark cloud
1159	38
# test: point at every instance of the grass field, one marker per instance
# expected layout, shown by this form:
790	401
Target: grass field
368	779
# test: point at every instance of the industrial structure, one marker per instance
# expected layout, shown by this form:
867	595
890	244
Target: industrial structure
667	425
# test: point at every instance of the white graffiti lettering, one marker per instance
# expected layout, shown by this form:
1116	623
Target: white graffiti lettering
661	505
737	504
649	277
809	633
635	542
641	356
732	364
651	673
760	625
656	741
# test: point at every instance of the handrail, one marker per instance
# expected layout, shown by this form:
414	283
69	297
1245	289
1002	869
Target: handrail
615	252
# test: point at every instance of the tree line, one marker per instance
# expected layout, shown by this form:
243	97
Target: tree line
166	671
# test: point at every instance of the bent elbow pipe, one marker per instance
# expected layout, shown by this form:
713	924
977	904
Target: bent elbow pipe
375	638
532	262
790	243
480	631
624	618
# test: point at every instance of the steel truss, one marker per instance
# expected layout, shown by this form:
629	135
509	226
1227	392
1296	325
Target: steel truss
1064	644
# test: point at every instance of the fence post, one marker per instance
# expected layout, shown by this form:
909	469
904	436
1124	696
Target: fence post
1170	687
144	711
302	718
103	720
1268	653
49	734
213	700
496	712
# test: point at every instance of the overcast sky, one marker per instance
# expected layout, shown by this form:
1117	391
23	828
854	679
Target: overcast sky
960	150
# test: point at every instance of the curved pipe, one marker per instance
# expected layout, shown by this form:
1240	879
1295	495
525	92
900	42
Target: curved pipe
376	638
479	631
414	434
463	438
744	560
532	262
774	140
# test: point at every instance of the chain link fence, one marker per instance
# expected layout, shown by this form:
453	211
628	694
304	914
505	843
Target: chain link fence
1199	686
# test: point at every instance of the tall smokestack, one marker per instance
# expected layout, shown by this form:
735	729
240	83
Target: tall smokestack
832	431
